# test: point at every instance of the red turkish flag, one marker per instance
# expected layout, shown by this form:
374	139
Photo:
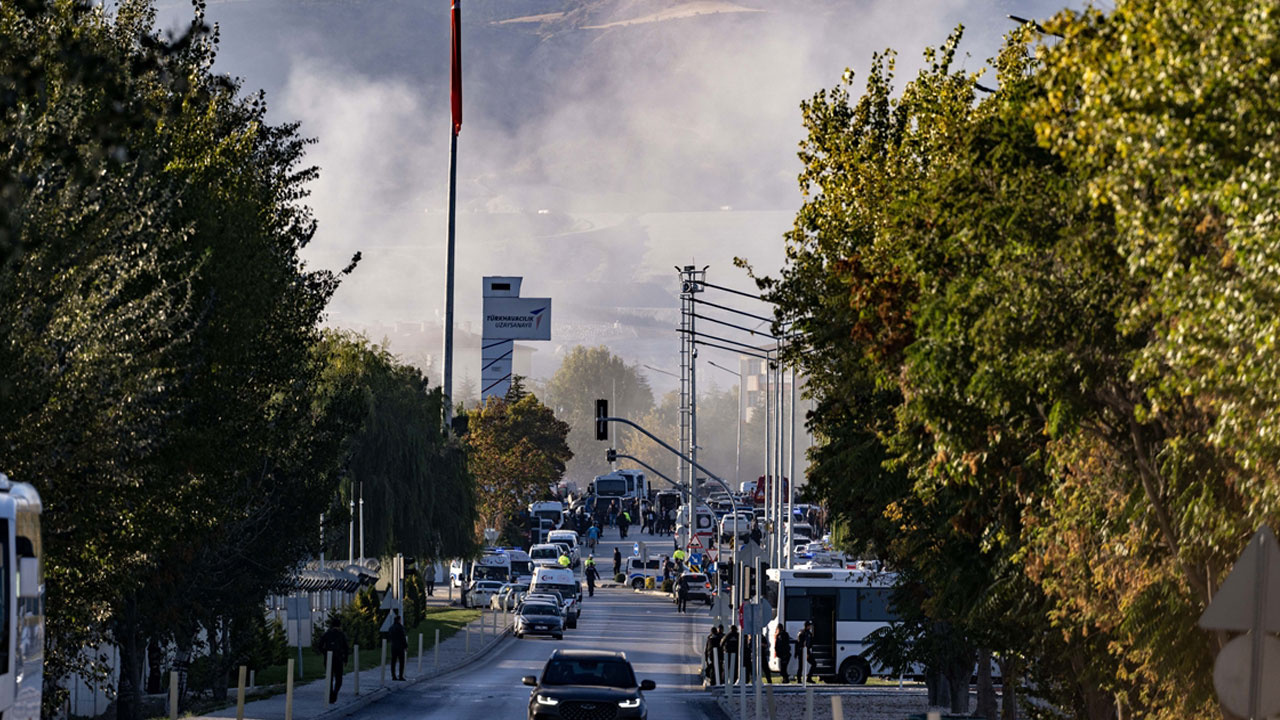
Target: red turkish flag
456	94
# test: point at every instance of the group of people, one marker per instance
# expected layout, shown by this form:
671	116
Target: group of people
724	647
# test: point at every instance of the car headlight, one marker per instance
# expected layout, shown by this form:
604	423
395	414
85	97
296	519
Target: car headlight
632	703
547	700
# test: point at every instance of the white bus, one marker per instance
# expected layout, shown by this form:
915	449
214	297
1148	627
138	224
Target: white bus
845	606
22	595
619	485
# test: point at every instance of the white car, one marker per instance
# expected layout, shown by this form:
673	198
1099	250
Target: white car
509	596
482	592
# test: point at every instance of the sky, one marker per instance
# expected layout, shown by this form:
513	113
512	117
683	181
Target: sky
597	152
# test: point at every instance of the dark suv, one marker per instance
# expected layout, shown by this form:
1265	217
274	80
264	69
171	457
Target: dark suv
587	685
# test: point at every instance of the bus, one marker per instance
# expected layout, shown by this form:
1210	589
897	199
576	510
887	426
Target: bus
552	510
620	485
845	606
22	595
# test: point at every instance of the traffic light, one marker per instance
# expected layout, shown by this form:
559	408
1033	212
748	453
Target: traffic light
611	455
602	426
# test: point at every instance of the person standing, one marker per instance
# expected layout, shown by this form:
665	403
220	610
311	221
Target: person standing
682	595
430	577
335	641
710	668
617	561
399	640
592	576
804	650
782	650
730	646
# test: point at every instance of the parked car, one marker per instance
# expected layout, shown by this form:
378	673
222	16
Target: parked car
482	592
508	597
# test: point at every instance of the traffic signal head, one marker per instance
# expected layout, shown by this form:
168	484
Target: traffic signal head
602	412
611	455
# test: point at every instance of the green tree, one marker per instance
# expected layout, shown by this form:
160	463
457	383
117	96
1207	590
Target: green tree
517	451
585	375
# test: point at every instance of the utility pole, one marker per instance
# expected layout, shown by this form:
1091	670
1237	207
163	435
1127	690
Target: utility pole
456	105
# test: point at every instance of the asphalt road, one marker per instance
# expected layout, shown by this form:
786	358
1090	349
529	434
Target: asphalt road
658	641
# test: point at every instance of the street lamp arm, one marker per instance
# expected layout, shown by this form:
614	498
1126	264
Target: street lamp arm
653	470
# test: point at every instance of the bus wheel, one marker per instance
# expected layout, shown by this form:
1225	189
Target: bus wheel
638	583
855	671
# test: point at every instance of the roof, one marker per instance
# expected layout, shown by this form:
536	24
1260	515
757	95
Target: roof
589	654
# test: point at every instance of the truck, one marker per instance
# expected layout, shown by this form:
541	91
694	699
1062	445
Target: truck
552	510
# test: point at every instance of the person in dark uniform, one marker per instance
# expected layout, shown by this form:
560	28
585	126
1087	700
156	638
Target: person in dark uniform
682	595
592	576
335	641
617	561
399	645
430	577
710	669
804	650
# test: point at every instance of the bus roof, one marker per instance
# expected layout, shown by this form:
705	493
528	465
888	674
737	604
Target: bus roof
833	576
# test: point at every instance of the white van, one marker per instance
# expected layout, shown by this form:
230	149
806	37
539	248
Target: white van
544	554
562	581
570	538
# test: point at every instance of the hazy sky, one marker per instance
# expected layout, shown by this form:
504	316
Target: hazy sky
591	161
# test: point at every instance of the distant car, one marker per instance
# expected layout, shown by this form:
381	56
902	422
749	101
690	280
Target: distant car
482	592
587	684
699	587
566	605
539	618
508	597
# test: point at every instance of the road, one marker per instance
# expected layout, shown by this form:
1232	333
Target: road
658	641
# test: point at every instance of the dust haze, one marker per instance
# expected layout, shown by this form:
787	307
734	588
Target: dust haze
603	142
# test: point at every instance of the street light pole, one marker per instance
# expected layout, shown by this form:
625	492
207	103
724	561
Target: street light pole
737	461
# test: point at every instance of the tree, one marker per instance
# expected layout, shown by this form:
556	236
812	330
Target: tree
585	375
517	451
419	497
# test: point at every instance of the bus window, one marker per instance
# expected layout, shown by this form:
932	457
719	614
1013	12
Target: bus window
847	609
797	602
874	605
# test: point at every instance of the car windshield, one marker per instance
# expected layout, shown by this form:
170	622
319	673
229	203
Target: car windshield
582	671
539	610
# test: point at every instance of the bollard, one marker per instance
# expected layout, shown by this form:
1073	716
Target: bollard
240	693
382	666
355	652
328	677
773	705
808	703
759	697
468	638
253	679
419	653
173	694
288	691
837	707
435	649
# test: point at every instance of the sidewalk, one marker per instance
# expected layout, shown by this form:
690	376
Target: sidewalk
310	696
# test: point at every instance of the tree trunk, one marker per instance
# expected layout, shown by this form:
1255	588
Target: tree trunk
155	664
1008	689
933	682
129	644
958	675
218	647
986	688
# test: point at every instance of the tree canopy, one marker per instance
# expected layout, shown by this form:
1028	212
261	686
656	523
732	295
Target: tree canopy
1037	322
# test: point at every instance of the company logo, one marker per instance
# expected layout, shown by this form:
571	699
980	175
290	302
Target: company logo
537	314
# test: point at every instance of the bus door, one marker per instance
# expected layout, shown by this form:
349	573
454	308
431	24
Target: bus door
822	612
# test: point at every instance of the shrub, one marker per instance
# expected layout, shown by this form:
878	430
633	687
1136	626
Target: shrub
667	585
620	578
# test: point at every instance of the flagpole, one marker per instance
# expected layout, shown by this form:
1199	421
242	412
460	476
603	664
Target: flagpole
456	124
